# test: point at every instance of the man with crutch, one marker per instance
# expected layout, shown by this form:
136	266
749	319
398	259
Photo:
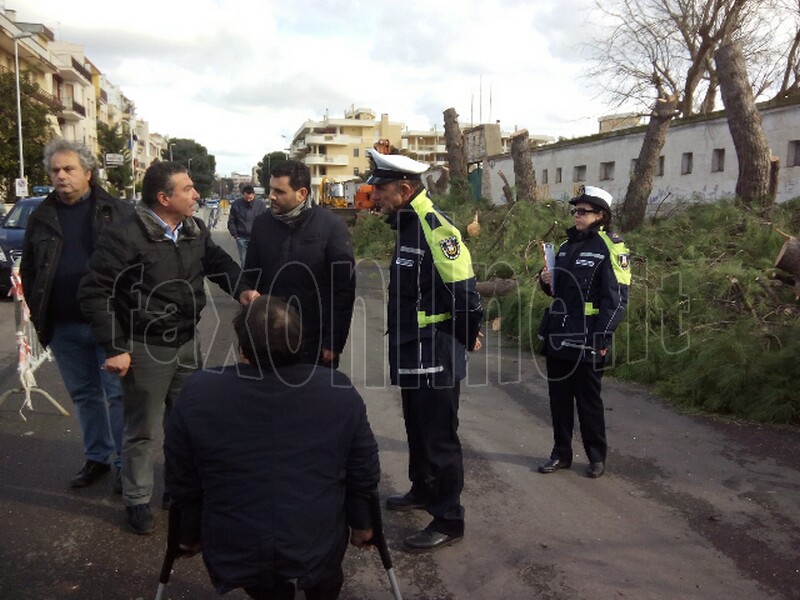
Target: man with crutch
272	464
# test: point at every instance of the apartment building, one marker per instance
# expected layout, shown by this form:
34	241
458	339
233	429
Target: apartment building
336	147
73	86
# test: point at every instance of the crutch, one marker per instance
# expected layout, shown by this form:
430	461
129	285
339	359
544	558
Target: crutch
379	540
173	548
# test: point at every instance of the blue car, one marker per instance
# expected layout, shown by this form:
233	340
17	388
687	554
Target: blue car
12	231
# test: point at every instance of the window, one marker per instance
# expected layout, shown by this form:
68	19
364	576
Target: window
356	171
718	160
544	176
558	175
794	154
355	154
606	171
660	168
687	162
579	173
634	162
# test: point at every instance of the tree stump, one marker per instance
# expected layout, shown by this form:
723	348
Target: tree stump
789	260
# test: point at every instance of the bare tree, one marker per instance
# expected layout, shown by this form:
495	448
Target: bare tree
659	54
744	121
789	85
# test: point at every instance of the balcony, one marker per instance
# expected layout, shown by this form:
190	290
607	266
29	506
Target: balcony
327	159
332	139
73	110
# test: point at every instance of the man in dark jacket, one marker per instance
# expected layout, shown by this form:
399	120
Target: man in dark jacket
144	294
270	463
434	317
302	253
59	239
241	218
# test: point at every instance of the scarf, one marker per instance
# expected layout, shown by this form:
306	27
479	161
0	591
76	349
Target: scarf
293	215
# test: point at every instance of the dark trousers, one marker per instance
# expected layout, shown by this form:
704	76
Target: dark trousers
326	589
435	463
574	384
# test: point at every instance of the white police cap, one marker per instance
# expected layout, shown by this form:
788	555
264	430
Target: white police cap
393	167
595	196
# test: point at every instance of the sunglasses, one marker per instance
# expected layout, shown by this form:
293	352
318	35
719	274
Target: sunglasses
582	211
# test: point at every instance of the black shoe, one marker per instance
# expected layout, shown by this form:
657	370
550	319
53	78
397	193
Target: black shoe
404	502
428	540
116	483
91	472
553	465
140	518
596	469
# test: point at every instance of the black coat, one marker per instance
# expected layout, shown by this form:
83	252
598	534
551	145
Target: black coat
269	471
41	251
242	216
592	277
311	264
434	309
143	286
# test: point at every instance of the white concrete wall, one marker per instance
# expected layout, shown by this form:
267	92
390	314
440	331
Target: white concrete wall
700	137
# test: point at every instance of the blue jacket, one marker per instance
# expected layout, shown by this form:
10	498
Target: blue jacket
591	277
434	312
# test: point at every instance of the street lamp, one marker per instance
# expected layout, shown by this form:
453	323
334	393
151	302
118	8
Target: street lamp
17	37
190	165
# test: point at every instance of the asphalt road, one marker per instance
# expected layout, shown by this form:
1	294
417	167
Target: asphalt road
691	507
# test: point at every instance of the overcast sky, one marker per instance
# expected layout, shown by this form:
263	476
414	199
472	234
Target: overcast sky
238	75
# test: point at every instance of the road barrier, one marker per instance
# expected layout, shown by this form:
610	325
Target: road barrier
30	351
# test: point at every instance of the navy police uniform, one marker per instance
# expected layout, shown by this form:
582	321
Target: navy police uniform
434	316
590	294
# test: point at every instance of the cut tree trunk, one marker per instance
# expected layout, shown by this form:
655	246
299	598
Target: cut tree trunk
744	122
507	191
454	142
524	175
640	186
496	287
789	260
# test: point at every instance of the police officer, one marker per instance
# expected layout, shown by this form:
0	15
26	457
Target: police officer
434	316
589	286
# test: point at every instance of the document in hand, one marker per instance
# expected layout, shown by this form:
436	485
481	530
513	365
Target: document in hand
549	252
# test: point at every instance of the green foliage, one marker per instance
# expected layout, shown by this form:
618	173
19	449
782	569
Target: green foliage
372	236
200	163
707	324
265	166
112	140
36	131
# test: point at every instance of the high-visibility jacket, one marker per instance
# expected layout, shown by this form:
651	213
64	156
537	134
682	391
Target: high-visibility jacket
434	312
590	294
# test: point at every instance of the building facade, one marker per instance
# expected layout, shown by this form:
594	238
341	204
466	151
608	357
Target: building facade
698	161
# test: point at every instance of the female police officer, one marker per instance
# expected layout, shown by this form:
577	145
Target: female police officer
589	286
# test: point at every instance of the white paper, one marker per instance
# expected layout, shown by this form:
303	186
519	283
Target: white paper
549	251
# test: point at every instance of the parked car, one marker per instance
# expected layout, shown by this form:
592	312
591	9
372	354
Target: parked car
12	231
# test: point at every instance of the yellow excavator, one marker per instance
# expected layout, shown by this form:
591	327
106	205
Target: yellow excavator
331	194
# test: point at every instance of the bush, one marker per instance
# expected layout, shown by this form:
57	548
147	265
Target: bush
707	324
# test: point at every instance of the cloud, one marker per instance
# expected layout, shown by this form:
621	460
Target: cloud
237	75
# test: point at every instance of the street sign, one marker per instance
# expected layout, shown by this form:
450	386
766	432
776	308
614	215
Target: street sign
115	160
22	187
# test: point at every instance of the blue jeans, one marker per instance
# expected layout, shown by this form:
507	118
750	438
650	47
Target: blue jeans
97	395
241	244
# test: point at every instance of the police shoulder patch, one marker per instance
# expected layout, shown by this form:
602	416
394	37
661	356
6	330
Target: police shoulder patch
451	247
624	260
